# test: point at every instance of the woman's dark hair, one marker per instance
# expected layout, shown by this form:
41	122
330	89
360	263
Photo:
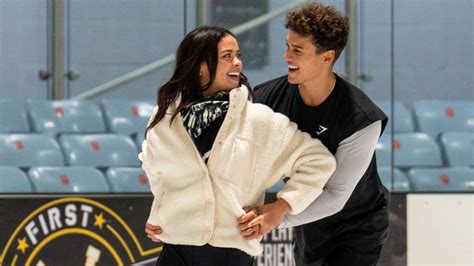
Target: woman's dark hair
200	45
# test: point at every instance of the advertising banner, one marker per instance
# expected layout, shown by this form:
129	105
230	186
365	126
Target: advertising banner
75	231
94	230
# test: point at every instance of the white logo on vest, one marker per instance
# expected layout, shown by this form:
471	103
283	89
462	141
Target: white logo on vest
321	129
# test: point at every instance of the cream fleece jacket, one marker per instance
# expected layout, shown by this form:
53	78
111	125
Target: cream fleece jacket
196	204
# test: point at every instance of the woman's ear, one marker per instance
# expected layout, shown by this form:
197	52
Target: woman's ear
204	74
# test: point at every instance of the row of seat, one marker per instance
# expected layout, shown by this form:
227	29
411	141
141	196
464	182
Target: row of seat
419	149
129	117
113	150
96	150
119	116
76	179
428	179
50	179
429	116
420	179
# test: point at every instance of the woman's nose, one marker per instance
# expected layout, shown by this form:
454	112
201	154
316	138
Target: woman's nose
237	61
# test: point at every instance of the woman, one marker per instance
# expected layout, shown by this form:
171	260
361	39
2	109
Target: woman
209	152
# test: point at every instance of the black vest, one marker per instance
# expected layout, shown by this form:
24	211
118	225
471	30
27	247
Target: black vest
346	110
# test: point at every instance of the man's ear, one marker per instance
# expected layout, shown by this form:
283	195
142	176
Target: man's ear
328	56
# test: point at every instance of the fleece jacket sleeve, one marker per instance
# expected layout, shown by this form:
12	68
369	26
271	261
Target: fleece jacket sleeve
307	162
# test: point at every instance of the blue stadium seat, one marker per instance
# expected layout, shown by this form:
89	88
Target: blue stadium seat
99	150
68	179
415	149
458	147
14	180
442	179
26	150
54	117
383	150
402	118
127	117
437	116
139	138
277	187
13	117
128	179
400	181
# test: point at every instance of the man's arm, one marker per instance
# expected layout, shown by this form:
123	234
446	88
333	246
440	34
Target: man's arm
353	156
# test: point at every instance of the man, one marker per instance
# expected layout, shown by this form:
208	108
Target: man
348	223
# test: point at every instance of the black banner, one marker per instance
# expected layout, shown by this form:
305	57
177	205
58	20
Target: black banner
109	230
277	249
75	230
101	230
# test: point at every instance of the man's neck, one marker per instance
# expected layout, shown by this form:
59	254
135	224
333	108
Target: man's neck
315	92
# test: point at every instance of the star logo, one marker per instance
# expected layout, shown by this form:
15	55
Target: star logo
99	220
22	245
321	129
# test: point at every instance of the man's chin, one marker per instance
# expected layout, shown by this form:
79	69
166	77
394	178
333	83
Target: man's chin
292	80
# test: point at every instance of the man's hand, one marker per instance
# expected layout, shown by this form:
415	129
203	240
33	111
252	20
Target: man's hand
245	230
262	219
152	230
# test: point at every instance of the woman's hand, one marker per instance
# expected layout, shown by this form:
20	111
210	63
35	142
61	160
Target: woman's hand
151	232
262	219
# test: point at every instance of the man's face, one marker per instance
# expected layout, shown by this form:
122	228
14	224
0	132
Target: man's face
304	64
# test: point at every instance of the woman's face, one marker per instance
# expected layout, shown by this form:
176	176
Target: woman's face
229	66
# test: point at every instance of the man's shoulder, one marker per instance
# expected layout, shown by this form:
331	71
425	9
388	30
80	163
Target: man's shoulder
268	89
362	110
272	84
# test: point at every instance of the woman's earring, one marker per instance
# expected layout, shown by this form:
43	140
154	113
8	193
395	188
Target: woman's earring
200	74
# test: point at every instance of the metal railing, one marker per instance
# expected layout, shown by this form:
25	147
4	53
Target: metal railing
126	78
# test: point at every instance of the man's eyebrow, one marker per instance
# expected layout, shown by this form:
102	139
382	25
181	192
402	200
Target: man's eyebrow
295	45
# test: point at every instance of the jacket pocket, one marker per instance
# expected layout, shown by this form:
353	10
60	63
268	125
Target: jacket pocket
241	167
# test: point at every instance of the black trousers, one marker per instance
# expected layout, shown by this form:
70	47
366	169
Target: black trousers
207	255
347	255
357	241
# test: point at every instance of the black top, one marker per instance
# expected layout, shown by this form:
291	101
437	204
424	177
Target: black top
203	119
345	111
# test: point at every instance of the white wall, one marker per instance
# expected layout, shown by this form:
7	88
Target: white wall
440	229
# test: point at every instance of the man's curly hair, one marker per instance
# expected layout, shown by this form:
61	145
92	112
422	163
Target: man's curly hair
328	28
